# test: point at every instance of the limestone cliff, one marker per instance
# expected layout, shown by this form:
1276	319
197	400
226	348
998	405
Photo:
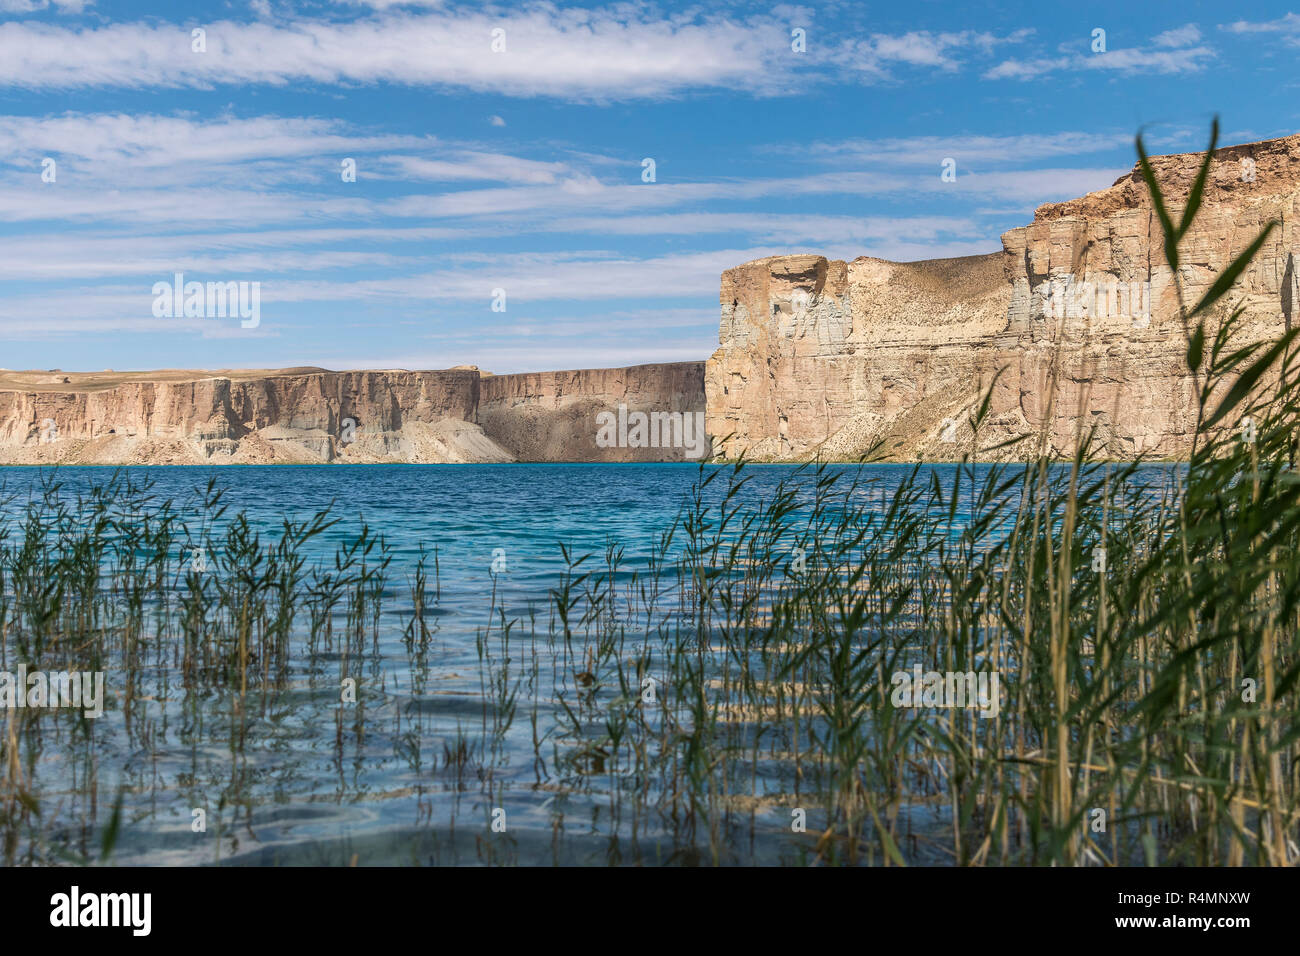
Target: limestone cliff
834	358
553	416
314	415
828	355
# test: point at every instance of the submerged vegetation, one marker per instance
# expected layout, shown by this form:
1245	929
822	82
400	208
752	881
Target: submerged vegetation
733	696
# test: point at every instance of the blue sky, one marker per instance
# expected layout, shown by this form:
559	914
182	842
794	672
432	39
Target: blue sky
522	169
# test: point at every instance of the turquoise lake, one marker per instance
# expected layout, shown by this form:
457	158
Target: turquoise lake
420	767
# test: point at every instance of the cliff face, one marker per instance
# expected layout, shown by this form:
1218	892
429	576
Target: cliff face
557	416
313	415
832	358
828	355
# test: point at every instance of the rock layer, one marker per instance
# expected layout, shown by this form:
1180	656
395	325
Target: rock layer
313	415
1077	316
553	416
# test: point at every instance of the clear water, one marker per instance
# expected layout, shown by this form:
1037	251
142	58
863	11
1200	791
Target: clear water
293	777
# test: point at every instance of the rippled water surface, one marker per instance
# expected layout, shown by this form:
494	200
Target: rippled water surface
489	717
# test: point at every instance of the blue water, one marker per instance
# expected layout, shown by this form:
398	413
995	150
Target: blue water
293	778
466	512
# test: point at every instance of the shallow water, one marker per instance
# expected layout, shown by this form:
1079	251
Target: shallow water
420	768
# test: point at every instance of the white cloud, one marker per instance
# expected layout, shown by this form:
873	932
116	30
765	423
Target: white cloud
42	202
873	57
64	256
119	149
619	52
536	277
528	278
137	168
35	6
774	227
575	196
1170	52
926	151
1031	186
390	4
922	48
1178	37
1287	25
1126	62
585	54
471	165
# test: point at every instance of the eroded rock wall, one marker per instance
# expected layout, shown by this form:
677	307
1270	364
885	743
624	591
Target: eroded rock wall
291	415
1079	314
828	356
556	416
313	415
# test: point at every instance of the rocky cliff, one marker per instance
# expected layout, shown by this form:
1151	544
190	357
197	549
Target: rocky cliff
829	356
556	416
1078	311
314	415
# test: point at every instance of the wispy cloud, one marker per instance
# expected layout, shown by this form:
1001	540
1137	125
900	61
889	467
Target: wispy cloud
775	227
473	165
88	204
145	150
620	52
1171	52
36	6
1184	36
916	151
1287	25
875	56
